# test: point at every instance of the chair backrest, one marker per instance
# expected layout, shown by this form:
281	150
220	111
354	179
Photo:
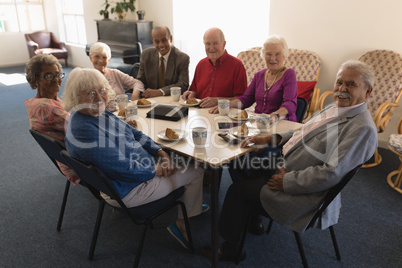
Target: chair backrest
50	145
43	39
387	67
332	193
301	109
252	62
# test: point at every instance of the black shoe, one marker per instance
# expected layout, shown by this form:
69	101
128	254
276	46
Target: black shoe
256	226
206	251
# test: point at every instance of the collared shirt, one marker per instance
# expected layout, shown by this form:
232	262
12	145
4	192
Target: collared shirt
318	120
227	78
165	57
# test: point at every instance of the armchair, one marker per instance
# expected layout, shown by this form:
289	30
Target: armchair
306	65
387	67
46	43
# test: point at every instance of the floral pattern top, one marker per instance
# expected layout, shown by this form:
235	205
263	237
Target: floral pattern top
49	117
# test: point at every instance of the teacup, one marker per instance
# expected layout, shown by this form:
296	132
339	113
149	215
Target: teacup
199	135
122	100
263	122
131	110
223	106
175	93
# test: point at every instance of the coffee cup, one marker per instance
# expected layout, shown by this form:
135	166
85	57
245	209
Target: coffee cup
122	100
175	93
263	122
199	135
131	110
223	106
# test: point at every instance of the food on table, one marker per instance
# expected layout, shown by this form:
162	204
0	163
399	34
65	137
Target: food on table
242	115
143	101
171	134
122	112
192	101
243	130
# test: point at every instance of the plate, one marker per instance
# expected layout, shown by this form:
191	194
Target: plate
252	131
144	106
232	116
183	102
182	135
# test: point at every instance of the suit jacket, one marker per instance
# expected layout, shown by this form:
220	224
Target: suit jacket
176	69
316	163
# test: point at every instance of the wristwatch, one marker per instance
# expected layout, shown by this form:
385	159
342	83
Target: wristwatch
277	115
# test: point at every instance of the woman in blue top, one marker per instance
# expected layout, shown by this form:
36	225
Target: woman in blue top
139	169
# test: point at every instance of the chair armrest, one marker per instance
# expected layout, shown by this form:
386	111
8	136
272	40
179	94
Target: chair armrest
383	115
313	105
32	44
322	99
56	43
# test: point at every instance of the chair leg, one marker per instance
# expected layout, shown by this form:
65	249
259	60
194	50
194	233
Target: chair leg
301	249
96	229
140	246
63	205
188	230
338	254
269	226
243	239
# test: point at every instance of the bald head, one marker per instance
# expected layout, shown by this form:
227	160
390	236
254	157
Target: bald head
214	42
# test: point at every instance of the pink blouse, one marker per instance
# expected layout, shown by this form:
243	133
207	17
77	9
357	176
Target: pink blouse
49	117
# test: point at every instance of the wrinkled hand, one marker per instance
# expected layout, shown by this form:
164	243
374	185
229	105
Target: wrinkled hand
276	181
214	110
150	93
208	102
259	142
132	123
164	167
188	95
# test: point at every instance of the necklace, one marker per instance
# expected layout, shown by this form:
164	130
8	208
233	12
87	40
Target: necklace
273	82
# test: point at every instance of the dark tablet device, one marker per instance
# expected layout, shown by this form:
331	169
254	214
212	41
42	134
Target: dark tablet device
227	125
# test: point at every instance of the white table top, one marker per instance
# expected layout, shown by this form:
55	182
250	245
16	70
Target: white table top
216	151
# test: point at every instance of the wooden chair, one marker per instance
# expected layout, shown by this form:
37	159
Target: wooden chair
306	65
387	67
329	197
396	148
46	43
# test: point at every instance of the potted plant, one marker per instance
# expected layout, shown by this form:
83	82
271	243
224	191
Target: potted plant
122	8
141	14
105	12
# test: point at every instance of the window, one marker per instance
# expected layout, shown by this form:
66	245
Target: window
21	16
74	25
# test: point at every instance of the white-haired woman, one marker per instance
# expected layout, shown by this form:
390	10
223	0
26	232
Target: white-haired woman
139	169
274	89
100	55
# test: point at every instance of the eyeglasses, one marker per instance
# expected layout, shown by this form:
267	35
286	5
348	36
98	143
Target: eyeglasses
91	94
50	76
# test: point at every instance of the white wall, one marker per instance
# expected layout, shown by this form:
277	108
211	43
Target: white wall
338	31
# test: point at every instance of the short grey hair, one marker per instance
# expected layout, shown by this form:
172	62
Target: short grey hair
100	47
274	40
363	68
34	66
79	80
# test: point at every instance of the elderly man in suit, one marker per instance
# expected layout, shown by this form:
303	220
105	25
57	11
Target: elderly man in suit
163	66
315	158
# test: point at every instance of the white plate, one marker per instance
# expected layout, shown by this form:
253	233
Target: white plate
252	131
232	116
182	135
144	106
183	102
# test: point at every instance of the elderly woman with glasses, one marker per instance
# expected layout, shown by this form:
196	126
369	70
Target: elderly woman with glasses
45	110
139	169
